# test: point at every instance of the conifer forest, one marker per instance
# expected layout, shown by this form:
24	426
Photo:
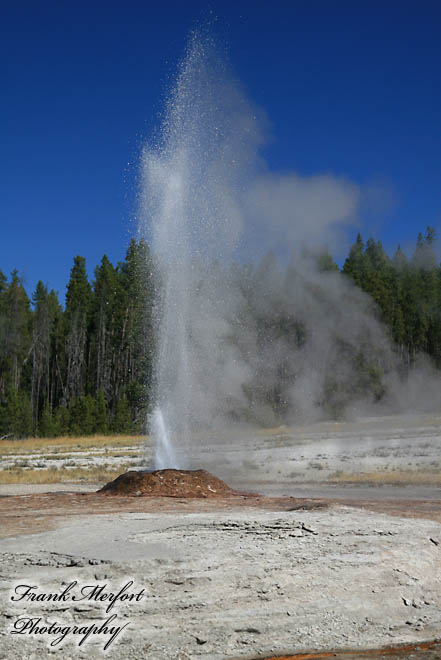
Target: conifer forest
84	365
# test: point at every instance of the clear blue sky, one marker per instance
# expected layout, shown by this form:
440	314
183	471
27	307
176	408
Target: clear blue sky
350	88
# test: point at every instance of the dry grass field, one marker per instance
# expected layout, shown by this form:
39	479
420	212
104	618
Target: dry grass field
376	451
92	459
69	443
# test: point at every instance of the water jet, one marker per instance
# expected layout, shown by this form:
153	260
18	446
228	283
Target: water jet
192	178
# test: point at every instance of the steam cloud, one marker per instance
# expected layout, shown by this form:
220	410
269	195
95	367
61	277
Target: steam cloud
289	210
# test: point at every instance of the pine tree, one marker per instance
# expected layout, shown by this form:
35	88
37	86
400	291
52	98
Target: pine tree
17	333
399	260
41	340
82	415
17	415
101	422
57	352
354	265
122	422
326	264
61	418
47	426
3	332
424	256
104	327
78	302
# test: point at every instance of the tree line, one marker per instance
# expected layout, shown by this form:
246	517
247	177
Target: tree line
87	368
407	292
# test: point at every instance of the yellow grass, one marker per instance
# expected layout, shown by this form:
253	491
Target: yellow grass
389	477
73	455
69	444
55	475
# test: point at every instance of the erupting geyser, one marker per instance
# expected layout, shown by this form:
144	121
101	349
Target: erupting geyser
192	176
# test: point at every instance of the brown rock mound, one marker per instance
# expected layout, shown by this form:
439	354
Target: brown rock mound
169	483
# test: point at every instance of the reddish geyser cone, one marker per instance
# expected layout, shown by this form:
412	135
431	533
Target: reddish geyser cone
169	483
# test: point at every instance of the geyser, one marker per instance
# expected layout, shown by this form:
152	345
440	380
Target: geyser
192	178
